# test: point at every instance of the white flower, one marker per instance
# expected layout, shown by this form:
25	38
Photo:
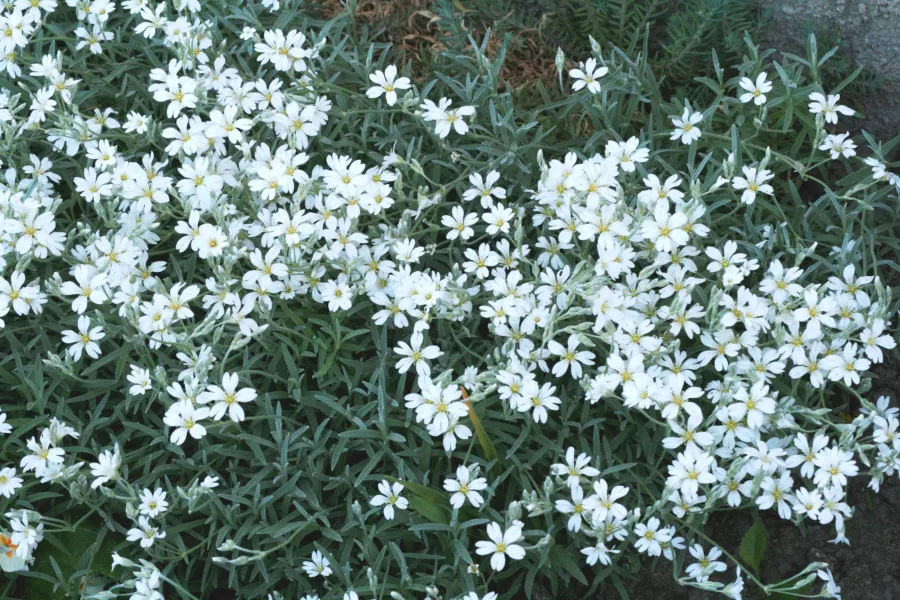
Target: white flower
140	380
317	565
755	91
10	561
650	537
691	469
89	285
845	365
464	488
9	483
754	406
389	498
24	535
806	457
475	596
874	339
414	354
485	189
807	503
43	454
598	553
145	533
603	502
501	544
763	459
459	223
831	587
136	122
538	400
408	251
437	406
93	186
106	468
336	293
387	83
32	231
211	241
456	431
186	420
84	340
834	466
839	145
498	219
574	468
686	127
665	230
227	398
576	508
209	482
153	503
752	183
344	175
688	434
226	124
828	106
446	118
589	76
569	357
707	563
733	590
780	282
777	492
626	154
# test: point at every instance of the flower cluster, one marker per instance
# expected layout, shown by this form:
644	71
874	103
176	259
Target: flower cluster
276	299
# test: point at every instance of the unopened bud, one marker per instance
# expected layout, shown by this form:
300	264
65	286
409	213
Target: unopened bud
560	62
548	486
515	510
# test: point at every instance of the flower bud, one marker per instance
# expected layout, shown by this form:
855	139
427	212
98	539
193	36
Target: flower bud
560	62
515	510
121	561
549	486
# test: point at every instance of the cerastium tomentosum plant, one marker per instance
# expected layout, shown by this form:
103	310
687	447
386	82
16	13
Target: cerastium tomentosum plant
283	318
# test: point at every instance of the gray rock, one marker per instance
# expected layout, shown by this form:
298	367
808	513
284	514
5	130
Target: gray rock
870	30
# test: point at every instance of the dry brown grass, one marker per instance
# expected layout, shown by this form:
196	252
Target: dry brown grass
418	34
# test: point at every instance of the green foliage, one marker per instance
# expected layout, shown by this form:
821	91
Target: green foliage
329	421
864	81
677	35
753	545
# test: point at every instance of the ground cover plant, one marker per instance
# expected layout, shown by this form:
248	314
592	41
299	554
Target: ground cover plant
284	320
